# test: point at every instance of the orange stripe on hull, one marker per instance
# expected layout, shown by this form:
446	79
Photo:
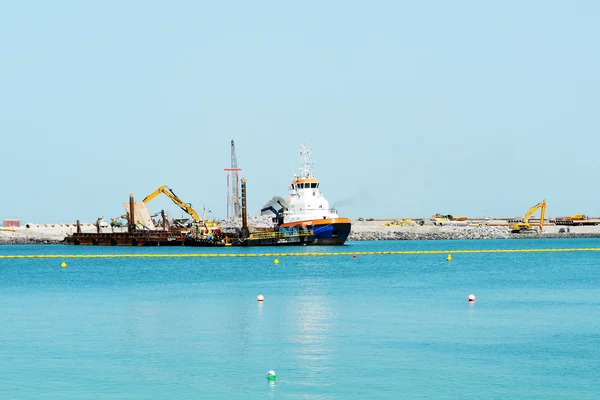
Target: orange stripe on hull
313	222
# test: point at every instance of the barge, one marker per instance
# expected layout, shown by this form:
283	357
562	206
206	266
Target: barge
133	236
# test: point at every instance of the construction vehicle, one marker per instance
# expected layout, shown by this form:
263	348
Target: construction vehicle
405	222
399	222
187	207
578	219
440	219
525	226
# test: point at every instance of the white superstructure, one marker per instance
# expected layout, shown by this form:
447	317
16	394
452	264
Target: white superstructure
306	203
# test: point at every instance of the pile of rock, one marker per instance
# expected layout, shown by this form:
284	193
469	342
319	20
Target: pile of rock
463	233
259	221
479	232
27	240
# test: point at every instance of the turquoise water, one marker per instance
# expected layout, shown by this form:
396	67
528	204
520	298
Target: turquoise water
378	326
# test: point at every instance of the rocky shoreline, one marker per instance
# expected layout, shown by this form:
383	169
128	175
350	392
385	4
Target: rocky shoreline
22	240
464	235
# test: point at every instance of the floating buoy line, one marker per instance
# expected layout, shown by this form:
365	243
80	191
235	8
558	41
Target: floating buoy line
353	253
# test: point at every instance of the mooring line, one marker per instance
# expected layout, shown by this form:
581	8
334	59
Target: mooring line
320	254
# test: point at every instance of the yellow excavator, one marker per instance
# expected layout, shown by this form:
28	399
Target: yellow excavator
525	226
187	207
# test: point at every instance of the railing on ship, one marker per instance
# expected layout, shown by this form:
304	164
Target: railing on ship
315	211
283	232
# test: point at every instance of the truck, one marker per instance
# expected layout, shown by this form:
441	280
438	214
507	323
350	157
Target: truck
440	219
571	220
577	219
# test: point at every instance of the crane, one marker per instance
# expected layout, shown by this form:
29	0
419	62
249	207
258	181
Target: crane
525	225
187	207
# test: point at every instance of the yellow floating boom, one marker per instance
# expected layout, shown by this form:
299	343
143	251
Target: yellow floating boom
321	254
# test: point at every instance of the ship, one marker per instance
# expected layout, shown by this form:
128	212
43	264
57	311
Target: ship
308	210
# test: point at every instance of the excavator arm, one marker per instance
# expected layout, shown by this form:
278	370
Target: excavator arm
533	209
171	195
152	195
542	214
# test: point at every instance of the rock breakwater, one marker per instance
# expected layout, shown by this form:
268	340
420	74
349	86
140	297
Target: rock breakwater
23	240
466	233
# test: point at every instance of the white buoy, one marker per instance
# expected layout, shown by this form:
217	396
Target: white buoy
271	375
260	297
471	298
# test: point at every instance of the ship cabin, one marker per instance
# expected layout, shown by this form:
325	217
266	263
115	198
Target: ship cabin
309	183
306	201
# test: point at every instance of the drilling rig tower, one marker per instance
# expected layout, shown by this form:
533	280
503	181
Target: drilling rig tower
234	208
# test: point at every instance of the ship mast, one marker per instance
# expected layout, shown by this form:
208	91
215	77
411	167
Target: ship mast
307	163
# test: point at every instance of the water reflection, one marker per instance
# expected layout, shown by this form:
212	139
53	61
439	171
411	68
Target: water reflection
272	389
314	324
471	308
259	313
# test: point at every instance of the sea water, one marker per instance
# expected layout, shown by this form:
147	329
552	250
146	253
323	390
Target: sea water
336	327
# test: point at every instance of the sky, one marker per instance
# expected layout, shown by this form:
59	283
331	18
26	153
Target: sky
410	108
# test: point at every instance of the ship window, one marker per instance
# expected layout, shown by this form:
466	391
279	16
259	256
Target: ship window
313	185
314	193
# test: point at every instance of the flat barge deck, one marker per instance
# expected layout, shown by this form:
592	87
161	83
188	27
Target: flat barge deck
257	239
138	238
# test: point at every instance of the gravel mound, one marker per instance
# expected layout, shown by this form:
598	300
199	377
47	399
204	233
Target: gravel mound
260	221
23	240
463	233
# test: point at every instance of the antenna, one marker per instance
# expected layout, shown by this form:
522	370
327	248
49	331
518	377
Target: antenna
306	159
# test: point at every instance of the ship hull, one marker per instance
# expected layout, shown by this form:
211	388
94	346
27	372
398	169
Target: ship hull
326	231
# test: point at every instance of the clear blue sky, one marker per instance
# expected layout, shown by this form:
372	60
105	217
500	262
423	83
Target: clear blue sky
411	108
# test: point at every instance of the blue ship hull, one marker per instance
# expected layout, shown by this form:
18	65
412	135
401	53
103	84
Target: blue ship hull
331	234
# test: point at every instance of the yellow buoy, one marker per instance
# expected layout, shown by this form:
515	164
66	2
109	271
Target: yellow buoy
276	262
63	265
449	258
